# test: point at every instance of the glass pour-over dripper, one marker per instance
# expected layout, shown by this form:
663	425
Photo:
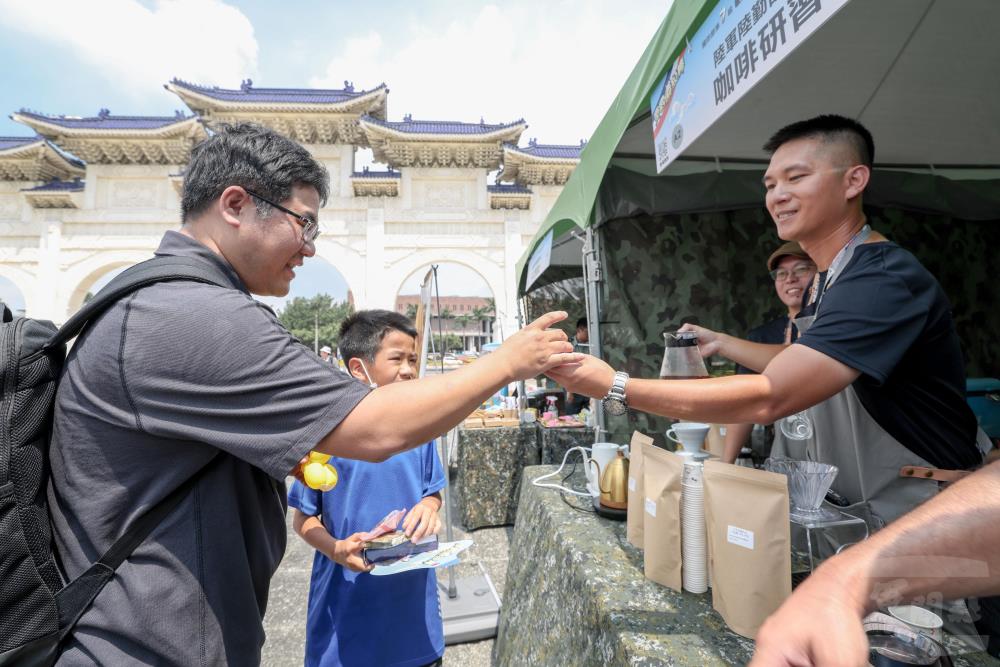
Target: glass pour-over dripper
681	357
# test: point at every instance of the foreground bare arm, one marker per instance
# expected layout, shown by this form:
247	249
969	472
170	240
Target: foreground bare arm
797	378
949	546
404	415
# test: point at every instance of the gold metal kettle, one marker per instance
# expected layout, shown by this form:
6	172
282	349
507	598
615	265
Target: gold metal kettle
614	482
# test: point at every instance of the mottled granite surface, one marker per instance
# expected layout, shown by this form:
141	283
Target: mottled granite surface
575	594
554	442
490	461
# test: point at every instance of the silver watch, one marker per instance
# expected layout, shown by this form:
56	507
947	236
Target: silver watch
615	403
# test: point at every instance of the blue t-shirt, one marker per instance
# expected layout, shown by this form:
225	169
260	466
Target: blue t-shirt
356	619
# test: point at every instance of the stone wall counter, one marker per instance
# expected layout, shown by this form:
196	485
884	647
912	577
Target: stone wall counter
554	442
576	595
490	461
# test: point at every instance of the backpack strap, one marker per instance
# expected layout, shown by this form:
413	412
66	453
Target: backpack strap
77	596
161	268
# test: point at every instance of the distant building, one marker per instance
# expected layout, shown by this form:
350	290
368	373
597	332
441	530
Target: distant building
471	318
84	196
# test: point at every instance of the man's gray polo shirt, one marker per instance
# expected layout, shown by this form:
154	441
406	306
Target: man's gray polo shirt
165	380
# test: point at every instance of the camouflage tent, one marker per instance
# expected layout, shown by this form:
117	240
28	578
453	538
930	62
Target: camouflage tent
690	243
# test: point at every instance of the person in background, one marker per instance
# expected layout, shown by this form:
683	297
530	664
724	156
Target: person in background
581	343
792	271
350	610
326	354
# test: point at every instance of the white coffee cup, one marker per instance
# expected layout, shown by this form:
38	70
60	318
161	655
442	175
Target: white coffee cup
920	620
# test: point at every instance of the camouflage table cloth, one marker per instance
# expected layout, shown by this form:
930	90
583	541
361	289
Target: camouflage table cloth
576	595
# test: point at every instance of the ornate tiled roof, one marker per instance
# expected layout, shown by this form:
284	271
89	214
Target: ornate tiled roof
369	173
442	127
6	143
247	93
76	185
509	188
104	121
551	151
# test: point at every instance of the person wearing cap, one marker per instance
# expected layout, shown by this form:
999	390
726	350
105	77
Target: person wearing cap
879	370
792	271
325	353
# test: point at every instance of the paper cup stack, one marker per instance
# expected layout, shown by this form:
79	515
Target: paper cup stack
694	570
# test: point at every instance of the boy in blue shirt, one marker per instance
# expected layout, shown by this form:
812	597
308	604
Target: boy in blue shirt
353	617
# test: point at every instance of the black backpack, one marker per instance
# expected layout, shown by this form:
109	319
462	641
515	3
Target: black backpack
37	609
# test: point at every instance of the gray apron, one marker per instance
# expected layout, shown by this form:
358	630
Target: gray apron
867	457
845	435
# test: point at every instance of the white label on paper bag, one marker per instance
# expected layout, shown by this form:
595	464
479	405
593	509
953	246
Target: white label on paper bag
650	507
741	537
722	431
631	483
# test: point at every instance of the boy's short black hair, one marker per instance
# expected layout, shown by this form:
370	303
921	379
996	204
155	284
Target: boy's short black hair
362	333
581	323
829	128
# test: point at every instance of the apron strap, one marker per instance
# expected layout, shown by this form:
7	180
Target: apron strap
936	474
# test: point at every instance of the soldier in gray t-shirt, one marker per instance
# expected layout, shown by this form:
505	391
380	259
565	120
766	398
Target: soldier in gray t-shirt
181	375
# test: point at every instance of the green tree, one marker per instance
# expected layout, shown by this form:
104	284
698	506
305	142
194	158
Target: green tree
411	311
451	343
315	321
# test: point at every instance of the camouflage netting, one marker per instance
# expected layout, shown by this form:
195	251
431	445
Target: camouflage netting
709	268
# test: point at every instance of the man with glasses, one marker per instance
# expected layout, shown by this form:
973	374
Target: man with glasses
183	378
792	271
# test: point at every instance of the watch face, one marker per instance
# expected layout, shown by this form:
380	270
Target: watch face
614	407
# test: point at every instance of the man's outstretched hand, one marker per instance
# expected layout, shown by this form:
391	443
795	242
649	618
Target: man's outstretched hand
536	348
590	377
819	625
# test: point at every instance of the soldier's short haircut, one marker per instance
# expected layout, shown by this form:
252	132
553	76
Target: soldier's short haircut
253	157
829	128
362	333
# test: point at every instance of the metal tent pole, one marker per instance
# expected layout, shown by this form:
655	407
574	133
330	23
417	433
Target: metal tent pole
592	276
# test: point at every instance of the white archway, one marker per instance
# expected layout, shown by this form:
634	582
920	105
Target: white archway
79	279
472	332
23	282
400	271
349	263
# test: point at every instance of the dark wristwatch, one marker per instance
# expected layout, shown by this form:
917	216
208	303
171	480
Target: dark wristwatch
615	403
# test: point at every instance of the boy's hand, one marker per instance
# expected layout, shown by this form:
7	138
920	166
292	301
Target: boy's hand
423	519
537	348
347	552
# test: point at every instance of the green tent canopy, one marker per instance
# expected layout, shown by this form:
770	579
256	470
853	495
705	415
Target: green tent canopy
918	73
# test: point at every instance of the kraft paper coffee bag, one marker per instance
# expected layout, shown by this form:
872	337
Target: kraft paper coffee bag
746	516
662	474
634	523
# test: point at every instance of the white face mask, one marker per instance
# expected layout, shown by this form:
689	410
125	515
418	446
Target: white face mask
371	384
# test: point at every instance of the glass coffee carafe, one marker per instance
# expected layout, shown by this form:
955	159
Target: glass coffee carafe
681	357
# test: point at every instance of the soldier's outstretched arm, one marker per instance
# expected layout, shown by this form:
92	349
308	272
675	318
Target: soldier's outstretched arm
755	356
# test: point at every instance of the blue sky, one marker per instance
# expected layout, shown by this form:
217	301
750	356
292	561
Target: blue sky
556	63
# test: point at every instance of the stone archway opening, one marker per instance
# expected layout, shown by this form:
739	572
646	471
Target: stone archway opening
317	302
93	284
12	296
468	309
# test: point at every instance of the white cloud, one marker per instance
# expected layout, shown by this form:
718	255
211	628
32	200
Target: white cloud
206	41
557	64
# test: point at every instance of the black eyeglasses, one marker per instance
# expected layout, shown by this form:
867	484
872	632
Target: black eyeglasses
310	228
801	271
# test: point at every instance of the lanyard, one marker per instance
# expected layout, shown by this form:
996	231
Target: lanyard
841	260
